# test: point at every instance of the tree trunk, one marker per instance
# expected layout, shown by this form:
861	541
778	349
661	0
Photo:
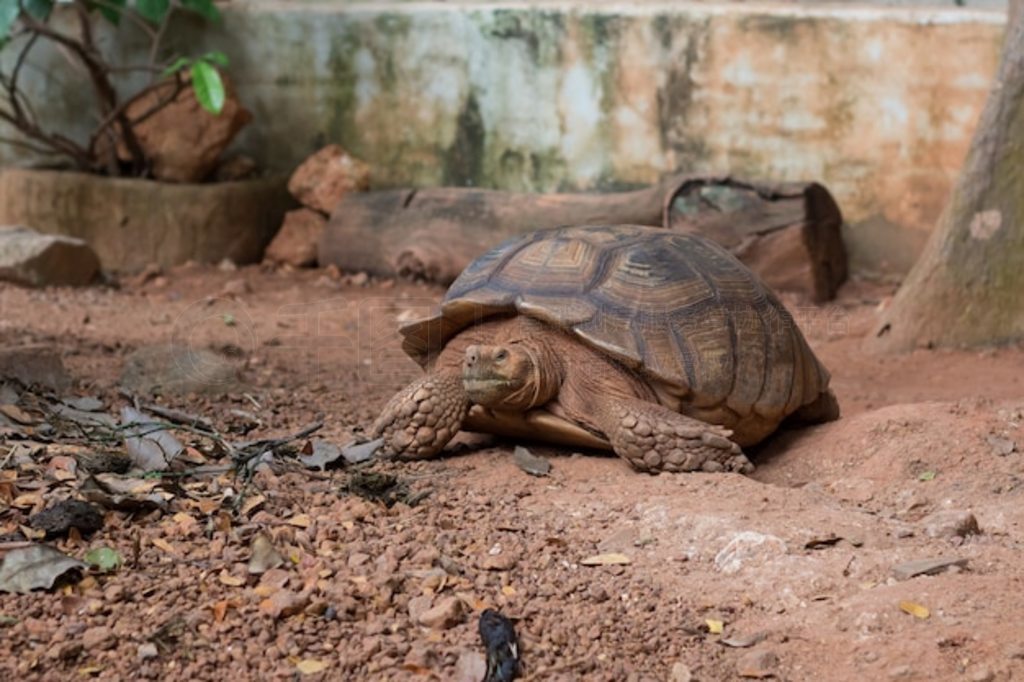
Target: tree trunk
966	288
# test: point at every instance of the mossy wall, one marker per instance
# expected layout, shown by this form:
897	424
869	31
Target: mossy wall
879	103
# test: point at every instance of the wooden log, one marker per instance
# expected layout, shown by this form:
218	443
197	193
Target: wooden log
788	234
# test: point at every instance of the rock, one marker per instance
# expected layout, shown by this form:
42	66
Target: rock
980	673
296	242
34	364
171	369
950	523
500	560
418	606
97	638
420	657
236	287
746	548
284	603
470	667
183	141
910	569
326	176
60	517
757	664
30	258
445	614
898	671
680	672
1002	446
147	651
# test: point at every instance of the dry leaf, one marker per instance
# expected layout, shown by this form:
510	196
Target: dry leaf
160	543
230	580
300	521
715	626
264	556
311	666
252	503
611	559
508	591
220	609
35	567
915	609
32	533
150	446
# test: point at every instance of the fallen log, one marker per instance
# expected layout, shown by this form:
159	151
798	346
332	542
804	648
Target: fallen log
788	234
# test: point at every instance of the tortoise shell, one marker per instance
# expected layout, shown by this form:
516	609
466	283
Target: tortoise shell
675	307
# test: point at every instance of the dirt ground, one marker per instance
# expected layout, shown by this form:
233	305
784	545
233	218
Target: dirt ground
794	562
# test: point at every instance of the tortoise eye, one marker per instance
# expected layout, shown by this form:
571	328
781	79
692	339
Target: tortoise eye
501	355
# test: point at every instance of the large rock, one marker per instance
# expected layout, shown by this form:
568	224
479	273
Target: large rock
327	176
34	365
170	369
297	240
131	223
34	259
182	140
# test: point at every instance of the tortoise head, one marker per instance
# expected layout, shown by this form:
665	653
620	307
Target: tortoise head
513	376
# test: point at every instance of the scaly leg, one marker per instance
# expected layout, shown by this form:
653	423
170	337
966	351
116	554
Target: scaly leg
654	438
421	418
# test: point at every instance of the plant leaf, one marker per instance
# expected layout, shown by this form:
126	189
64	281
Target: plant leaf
9	11
179	64
110	9
103	559
216	57
154	10
38	9
915	609
204	8
208	86
35	567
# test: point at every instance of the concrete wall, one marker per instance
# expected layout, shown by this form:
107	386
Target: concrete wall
878	102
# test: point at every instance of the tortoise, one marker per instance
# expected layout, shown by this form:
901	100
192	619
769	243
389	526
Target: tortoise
658	345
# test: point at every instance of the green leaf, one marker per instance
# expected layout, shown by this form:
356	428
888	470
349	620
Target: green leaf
204	8
208	86
111	10
926	476
103	559
154	10
179	64
38	9
218	58
9	11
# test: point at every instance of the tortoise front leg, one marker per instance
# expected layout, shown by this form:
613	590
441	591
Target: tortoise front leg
421	418
654	438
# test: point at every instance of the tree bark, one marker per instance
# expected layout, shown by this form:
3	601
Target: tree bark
966	288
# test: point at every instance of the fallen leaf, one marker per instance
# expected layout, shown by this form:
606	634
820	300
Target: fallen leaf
611	559
84	403
231	581
915	609
715	626
311	666
89	670
535	465
910	569
32	533
150	446
164	545
220	609
35	567
252	503
300	521
103	559
822	542
508	591
17	414
927	476
264	555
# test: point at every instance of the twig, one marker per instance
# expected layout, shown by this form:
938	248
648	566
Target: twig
20	544
179	416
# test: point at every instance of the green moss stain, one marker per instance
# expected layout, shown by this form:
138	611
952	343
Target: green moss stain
675	100
463	160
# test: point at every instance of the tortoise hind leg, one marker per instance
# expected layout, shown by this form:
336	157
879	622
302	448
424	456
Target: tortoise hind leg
653	438
824	409
421	418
